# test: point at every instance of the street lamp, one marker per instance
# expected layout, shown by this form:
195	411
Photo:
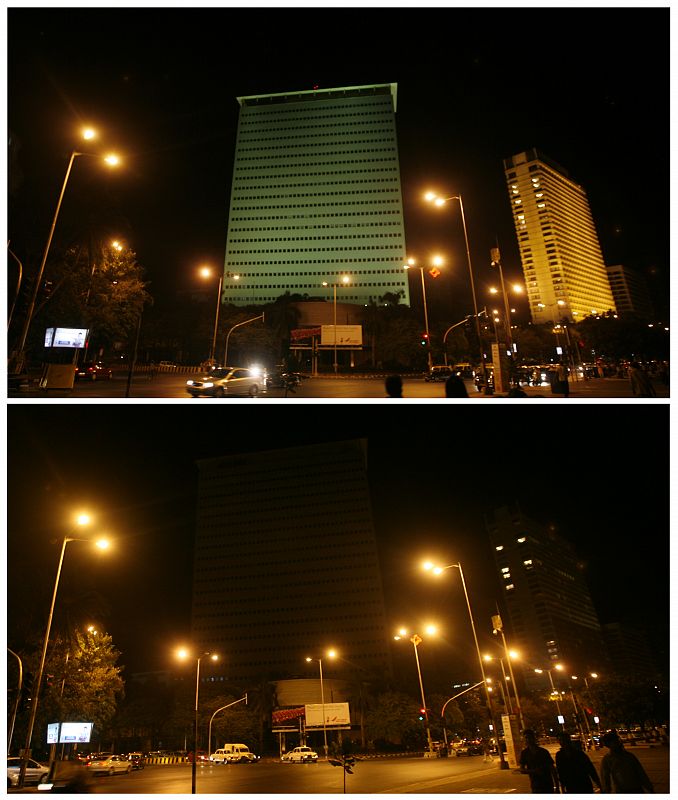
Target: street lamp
416	641
82	520
432	197
436	261
184	654
427	566
345	280
237	325
111	160
554	693
330	654
206	272
498	627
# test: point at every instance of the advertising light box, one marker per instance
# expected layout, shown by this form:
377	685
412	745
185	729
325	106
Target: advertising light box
69	337
49	337
53	733
336	714
75	732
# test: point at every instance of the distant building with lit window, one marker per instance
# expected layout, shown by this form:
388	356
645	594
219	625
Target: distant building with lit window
286	563
315	196
551	616
563	265
630	292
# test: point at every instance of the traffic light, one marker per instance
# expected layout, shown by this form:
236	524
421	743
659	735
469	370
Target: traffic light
424	339
422	714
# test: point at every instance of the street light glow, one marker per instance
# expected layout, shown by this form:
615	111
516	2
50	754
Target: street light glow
83	519
331	653
89	133
182	653
112	160
103	544
431	630
205	272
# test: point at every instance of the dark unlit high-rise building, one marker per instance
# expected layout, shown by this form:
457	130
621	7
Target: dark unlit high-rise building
286	561
551	615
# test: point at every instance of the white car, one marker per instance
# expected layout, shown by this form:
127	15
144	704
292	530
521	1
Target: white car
223	381
300	755
108	764
35	773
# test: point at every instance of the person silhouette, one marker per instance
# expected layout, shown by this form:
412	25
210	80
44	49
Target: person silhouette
575	770
537	762
394	386
621	770
455	387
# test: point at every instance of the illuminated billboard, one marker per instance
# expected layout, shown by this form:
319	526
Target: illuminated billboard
336	714
53	733
347	335
66	337
75	732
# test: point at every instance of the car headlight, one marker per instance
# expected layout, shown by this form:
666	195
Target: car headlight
208	384
189	383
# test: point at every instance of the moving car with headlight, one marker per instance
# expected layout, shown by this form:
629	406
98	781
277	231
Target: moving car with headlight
300	755
228	381
35	773
108	764
234	754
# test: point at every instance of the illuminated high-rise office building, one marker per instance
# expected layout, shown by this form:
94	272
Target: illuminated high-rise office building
316	196
563	265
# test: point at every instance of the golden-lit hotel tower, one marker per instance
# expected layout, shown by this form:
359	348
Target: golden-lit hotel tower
565	274
286	562
316	196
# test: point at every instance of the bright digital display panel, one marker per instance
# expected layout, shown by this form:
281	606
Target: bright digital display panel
75	732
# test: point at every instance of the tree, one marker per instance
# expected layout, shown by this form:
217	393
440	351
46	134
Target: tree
394	718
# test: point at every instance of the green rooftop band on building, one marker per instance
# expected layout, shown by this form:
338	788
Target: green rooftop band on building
316	196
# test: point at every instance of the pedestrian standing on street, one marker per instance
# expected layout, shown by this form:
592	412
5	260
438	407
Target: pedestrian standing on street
394	386
455	386
563	381
641	384
537	762
575	770
487	751
620	771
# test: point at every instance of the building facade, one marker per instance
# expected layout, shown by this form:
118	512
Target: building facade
316	197
562	262
286	563
551	616
630	292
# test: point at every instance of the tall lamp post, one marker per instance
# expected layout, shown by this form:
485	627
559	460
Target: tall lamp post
437	261
206	272
416	641
554	693
228	335
111	160
209	729
498	627
330	654
432	197
183	655
82	520
438	570
345	280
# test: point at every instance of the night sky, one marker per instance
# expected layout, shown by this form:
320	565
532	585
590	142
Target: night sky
434	472
589	87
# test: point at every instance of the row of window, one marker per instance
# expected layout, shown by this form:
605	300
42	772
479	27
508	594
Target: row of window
319	275
316	173
241	205
345	109
326	153
318	226
317	133
322	163
312	285
349	142
342	248
306	184
240	197
321	216
271	298
249	262
335	236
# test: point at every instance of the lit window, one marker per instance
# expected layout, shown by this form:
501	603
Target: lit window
515	191
541	205
499	547
517	202
507	577
521	540
529	561
504	569
539	194
509	586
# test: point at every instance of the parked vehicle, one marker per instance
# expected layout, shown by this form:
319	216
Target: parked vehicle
35	772
234	754
438	373
300	755
137	760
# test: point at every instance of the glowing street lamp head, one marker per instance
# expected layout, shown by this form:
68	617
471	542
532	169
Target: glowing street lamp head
332	653
517	288
439	201
427	566
112	160
430	197
83	519
487	658
89	133
514	654
115	244
437	261
103	544
183	653
309	659
214	657
493	290
345	279
205	272
559	667
431	630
